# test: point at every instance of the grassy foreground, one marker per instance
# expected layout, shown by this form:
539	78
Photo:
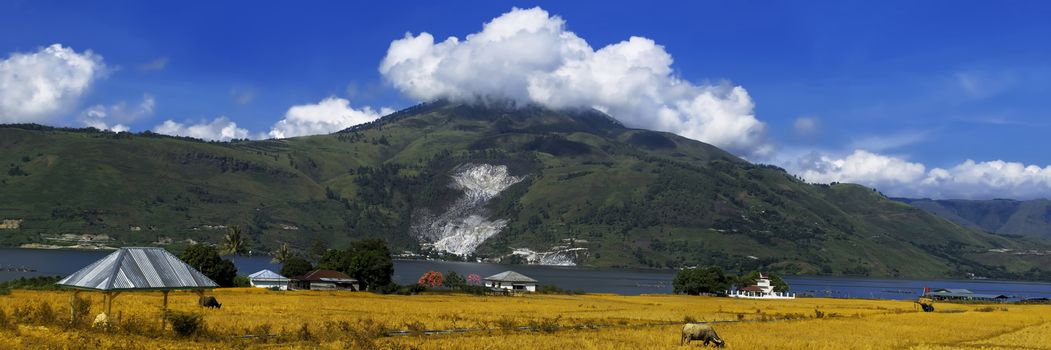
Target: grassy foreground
254	318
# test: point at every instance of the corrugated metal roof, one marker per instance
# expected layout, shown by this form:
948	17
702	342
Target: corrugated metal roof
325	275
510	276
138	268
267	275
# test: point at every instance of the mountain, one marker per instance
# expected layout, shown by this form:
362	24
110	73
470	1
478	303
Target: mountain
514	184
1004	216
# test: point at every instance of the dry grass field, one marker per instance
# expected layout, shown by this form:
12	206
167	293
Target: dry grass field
255	318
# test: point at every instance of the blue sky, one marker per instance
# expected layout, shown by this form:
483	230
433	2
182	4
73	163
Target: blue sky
930	84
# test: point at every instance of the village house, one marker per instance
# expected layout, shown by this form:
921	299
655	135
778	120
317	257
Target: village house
762	289
325	280
268	279
511	281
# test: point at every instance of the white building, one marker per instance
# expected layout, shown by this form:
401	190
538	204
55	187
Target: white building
511	281
268	279
762	289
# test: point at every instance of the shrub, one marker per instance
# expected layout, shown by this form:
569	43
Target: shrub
242	281
185	324
553	289
547	325
506	324
81	308
475	290
430	279
818	314
5	291
5	323
454	280
43	313
474	278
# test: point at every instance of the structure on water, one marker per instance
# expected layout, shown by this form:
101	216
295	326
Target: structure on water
511	281
762	289
963	295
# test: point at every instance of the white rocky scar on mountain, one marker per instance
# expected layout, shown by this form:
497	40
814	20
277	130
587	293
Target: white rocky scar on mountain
465	224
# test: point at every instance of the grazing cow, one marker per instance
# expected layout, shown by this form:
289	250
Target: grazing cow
210	302
700	332
101	321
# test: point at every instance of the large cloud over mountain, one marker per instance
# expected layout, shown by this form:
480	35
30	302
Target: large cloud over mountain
35	87
528	55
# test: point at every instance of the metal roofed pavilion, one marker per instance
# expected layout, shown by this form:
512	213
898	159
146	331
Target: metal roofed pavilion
138	269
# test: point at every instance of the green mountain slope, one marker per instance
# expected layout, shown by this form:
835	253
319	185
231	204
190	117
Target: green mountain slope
1003	216
586	190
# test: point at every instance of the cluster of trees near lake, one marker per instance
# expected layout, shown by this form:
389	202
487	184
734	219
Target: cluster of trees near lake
712	280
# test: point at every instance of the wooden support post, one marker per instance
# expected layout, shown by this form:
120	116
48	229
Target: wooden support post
200	297
164	309
109	303
73	306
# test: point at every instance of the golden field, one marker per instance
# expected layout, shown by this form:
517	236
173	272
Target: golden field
256	318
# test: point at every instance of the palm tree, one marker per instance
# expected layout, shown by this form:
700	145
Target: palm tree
281	254
233	242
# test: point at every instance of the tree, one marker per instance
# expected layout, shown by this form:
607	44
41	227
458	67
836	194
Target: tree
281	254
369	261
474	279
430	279
453	280
775	280
333	259
233	242
206	259
700	280
295	266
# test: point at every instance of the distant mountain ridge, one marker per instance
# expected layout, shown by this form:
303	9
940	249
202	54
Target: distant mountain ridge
518	184
1003	216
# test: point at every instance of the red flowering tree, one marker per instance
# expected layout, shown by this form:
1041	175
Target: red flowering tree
430	279
474	278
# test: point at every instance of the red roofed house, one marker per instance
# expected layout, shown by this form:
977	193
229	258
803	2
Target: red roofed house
325	280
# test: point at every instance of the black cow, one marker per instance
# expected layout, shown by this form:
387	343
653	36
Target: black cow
210	302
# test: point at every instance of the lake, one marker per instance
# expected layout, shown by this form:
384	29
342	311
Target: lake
620	281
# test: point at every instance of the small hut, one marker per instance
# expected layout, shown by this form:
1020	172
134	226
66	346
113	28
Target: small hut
137	269
268	279
325	280
511	281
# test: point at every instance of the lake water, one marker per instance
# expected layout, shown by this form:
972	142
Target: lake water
620	281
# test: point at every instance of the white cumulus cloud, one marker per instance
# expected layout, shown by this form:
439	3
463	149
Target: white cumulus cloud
897	176
36	86
219	129
330	115
115	117
528	56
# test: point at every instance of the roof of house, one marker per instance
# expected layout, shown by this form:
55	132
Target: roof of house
752	288
510	276
267	275
325	276
138	269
